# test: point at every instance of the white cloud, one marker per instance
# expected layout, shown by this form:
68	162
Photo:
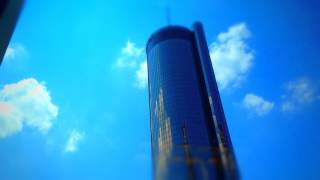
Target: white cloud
133	58
73	141
231	57
142	75
15	51
132	50
299	92
25	103
130	56
257	104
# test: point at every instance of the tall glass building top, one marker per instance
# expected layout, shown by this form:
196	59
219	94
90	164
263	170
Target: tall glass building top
190	139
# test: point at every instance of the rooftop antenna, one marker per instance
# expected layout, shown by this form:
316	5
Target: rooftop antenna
168	15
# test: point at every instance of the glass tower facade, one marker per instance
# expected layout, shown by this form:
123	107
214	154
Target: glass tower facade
189	135
9	11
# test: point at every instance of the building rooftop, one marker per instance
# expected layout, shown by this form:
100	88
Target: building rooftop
168	32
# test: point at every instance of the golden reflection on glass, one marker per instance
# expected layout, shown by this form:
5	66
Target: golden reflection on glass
164	136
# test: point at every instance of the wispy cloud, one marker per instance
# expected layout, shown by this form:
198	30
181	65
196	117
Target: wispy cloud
257	104
142	75
133	58
231	56
130	56
73	141
25	103
15	51
299	92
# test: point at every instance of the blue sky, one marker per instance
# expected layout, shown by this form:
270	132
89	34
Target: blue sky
73	97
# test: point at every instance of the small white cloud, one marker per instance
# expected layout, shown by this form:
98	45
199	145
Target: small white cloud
257	104
142	75
15	51
25	103
231	57
132	50
10	53
73	141
130	56
299	92
287	106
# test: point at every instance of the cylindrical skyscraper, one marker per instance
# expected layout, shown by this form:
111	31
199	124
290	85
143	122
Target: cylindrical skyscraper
189	135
